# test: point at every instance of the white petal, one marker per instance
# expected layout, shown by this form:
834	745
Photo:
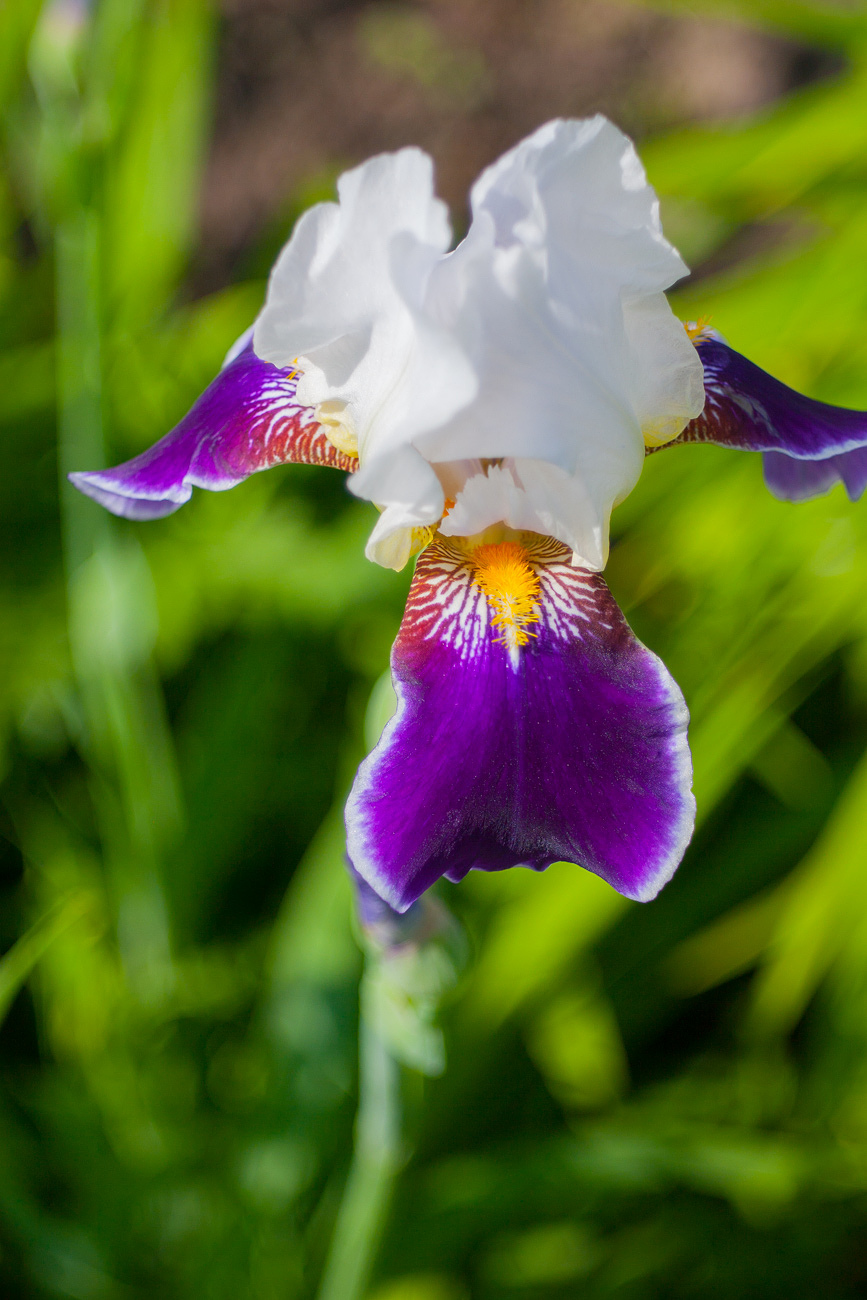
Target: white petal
585	197
578	189
541	498
407	487
490	498
344	298
545	389
667	385
543	342
391	542
569	509
556	295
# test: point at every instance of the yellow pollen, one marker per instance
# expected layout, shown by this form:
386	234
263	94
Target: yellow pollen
697	329
511	587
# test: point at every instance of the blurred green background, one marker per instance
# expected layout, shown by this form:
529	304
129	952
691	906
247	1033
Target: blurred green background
640	1102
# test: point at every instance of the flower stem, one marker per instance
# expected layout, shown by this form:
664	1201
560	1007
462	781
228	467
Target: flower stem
363	1209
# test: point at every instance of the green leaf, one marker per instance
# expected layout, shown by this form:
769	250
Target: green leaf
153	178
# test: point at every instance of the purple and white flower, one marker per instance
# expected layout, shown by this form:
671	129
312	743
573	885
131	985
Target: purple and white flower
496	402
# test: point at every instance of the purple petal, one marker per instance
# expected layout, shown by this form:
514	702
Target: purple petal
798	480
373	912
246	420
748	409
569	747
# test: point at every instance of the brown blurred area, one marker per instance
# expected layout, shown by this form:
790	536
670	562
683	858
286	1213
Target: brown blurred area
308	87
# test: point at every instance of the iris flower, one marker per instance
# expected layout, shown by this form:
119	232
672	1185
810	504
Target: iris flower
496	402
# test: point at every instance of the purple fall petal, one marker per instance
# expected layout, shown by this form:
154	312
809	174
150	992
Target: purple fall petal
571	747
748	409
246	420
799	480
373	912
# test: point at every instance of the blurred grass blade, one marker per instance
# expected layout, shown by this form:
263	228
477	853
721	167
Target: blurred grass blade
27	381
535	938
727	947
111	636
17	21
153	182
775	159
79	379
17	964
312	937
827	898
576	1044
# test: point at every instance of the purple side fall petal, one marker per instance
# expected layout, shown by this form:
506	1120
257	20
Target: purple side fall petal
799	480
571	748
246	420
746	408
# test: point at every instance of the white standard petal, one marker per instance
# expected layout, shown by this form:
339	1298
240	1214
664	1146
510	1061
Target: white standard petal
667	385
543	343
556	295
578	189
344	300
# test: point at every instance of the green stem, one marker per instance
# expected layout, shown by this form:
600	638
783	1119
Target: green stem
375	1158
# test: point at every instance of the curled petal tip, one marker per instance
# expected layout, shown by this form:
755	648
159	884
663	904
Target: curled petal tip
746	408
102	487
795	480
248	419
